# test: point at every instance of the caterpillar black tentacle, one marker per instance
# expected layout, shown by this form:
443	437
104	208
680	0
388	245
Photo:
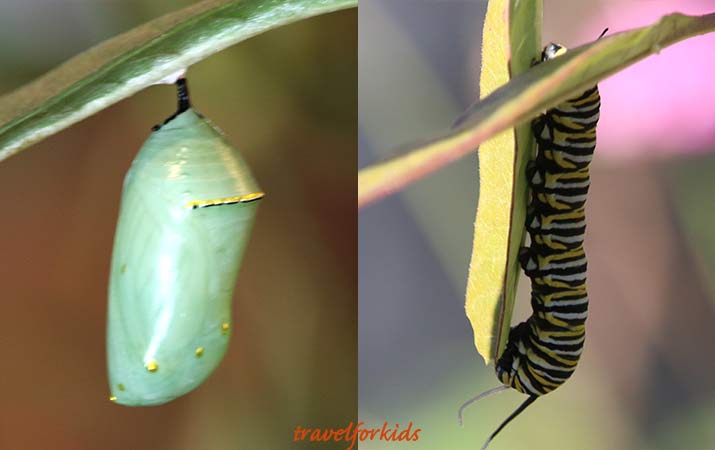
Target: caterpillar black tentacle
518	411
543	351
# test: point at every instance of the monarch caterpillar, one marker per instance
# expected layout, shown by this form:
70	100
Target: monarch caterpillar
188	204
543	351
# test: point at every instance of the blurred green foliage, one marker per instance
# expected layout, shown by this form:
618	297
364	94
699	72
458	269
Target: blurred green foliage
691	185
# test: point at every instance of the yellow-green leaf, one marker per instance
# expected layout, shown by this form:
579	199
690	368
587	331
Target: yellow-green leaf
485	283
493	270
524	97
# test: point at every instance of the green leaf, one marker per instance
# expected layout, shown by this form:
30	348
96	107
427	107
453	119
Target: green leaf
485	283
124	65
494	269
526	17
525	96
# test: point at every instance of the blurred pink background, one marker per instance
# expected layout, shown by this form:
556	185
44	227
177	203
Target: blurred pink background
659	106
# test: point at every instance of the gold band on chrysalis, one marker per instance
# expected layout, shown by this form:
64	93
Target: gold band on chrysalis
226	200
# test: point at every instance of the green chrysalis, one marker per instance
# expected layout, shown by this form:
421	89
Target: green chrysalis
188	204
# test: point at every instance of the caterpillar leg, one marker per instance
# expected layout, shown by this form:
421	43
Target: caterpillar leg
533	221
527	260
533	174
524	256
542	130
538	124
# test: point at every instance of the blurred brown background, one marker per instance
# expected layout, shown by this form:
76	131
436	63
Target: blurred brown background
288	100
645	378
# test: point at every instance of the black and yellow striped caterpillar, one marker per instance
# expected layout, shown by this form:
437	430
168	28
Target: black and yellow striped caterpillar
542	352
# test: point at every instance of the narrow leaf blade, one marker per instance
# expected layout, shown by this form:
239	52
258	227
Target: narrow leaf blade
493	271
496	163
122	66
538	89
526	17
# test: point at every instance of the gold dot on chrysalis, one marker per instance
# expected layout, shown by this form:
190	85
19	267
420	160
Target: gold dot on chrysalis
123	268
152	366
199	352
120	386
225	327
112	398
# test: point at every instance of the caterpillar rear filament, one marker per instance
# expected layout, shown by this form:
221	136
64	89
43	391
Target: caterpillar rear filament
542	352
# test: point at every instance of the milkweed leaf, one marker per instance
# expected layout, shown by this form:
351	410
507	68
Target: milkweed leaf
493	269
125	64
524	97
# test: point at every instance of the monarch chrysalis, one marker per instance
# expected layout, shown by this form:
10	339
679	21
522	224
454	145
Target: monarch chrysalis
188	204
542	352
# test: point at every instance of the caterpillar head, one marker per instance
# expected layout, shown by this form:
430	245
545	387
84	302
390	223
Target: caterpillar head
552	51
